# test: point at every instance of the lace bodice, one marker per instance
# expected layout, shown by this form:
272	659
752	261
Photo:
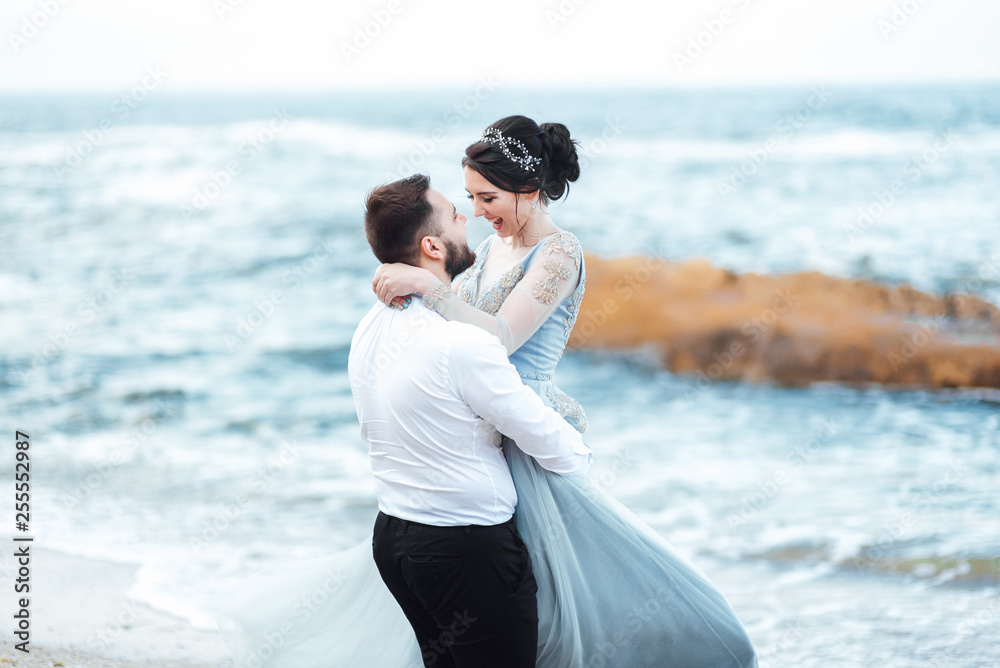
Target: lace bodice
531	306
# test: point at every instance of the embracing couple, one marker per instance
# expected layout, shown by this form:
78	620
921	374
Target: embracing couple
497	548
492	548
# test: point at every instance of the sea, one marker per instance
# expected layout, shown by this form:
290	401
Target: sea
181	274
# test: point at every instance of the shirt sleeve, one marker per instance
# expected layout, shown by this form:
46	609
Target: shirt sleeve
487	381
552	276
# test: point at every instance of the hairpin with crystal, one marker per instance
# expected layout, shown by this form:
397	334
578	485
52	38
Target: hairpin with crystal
527	162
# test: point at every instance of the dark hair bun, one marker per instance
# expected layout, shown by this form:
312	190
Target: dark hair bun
562	164
505	168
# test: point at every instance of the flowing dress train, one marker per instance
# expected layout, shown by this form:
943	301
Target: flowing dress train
611	591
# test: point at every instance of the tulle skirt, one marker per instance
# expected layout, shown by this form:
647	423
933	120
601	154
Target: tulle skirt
611	593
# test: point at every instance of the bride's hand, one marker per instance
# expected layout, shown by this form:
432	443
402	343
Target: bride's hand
394	282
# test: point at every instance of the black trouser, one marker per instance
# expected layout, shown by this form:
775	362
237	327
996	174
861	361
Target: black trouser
468	591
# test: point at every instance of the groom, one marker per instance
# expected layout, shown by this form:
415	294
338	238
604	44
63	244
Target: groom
431	396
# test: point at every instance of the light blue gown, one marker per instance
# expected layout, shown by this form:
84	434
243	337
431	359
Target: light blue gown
611	591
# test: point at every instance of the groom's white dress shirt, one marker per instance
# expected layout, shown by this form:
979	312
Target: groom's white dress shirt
431	395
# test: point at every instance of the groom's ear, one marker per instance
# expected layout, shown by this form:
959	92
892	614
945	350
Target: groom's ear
432	247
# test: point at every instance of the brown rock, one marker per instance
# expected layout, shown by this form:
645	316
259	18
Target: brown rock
795	328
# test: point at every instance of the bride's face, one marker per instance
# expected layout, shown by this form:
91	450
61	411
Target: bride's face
495	205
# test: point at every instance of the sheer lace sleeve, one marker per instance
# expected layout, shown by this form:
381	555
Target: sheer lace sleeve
522	299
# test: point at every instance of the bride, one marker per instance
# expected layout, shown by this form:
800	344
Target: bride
611	591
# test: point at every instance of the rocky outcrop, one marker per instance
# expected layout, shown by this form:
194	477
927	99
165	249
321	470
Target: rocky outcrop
794	329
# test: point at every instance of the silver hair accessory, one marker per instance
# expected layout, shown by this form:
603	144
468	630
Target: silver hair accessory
527	162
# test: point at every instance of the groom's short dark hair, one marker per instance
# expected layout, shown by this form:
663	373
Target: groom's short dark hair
397	216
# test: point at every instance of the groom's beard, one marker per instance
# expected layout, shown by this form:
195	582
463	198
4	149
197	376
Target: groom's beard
459	259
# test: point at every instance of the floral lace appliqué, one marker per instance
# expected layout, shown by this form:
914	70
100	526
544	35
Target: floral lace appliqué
547	289
494	299
568	407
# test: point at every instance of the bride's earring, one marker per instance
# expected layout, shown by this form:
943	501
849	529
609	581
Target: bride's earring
534	206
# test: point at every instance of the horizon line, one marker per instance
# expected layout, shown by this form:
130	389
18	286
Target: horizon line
568	87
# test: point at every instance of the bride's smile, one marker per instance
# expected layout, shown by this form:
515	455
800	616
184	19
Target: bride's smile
518	218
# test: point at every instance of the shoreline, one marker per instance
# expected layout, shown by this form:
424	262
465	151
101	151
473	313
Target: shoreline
82	617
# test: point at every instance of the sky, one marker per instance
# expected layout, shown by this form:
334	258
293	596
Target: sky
68	45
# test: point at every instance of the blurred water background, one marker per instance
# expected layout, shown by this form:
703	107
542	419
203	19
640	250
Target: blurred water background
181	274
